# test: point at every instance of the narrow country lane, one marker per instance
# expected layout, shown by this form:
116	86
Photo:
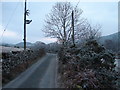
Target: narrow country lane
42	74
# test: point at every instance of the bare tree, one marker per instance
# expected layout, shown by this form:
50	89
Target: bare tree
58	22
87	32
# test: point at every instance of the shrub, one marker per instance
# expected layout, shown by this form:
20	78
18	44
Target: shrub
90	66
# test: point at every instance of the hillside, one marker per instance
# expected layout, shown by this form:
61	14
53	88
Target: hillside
8	49
21	44
113	37
111	42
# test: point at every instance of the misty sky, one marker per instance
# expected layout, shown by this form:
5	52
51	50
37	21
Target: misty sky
103	13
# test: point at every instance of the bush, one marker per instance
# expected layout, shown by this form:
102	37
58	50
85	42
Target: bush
18	61
90	66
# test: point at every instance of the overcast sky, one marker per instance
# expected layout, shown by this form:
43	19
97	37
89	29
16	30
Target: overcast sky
103	13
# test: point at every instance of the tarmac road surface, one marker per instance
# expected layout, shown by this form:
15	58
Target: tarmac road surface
42	74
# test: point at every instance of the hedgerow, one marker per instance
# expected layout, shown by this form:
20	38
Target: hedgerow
91	66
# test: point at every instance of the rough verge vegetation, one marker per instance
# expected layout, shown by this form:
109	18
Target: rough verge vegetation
91	66
16	62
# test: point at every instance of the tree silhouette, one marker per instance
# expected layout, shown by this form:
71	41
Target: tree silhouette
58	22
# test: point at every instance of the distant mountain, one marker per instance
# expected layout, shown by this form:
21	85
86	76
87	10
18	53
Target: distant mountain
113	37
38	45
111	42
21	44
6	44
